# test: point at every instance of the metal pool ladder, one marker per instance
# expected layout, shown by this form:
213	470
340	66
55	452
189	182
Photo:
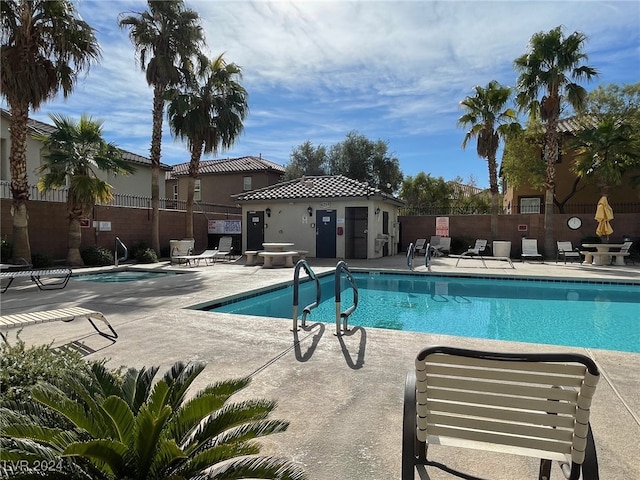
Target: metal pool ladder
118	242
296	284
342	267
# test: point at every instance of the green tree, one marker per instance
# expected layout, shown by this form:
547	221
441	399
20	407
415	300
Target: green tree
607	144
45	45
167	38
130	427
77	153
208	114
306	159
364	160
488	120
552	65
424	193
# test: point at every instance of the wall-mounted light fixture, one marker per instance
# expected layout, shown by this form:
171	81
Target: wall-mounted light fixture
378	211
268	212
310	211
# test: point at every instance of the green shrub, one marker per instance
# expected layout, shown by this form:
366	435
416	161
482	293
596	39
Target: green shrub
97	256
148	255
21	368
42	260
6	249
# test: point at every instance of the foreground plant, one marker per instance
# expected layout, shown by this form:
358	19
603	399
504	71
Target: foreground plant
126	426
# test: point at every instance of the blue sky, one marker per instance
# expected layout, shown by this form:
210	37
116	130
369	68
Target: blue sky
393	71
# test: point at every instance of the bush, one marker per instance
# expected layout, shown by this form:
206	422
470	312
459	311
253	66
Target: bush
97	256
148	255
42	260
21	369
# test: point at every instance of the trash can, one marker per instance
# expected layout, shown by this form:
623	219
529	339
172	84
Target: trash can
501	249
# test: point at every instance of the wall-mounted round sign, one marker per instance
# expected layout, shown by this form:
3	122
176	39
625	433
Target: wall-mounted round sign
574	223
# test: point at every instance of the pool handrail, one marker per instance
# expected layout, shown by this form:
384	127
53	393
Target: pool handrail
296	284
126	251
411	251
342	266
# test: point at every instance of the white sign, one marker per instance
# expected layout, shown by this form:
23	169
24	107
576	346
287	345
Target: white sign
104	226
225	226
442	226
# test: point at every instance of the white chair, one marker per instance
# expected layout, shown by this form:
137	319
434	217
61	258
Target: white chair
225	248
477	249
566	251
420	245
443	247
534	405
530	249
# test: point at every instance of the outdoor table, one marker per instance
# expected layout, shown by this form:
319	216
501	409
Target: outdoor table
602	250
277	246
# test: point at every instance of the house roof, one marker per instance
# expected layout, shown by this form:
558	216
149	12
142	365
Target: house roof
36	126
316	187
229	165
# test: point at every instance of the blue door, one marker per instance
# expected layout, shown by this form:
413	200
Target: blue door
325	233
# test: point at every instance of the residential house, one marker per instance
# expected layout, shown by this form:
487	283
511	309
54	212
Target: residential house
218	180
138	183
575	194
327	216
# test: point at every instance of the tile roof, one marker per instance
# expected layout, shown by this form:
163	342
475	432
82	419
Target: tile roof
36	126
325	186
228	165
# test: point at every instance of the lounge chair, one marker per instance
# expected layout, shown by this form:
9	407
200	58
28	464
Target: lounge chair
420	245
225	248
209	256
530	250
443	247
567	251
46	279
535	405
477	249
619	258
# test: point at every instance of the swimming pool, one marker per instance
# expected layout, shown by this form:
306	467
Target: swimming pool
582	314
118	276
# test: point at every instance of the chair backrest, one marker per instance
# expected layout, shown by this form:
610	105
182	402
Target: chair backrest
224	245
420	243
480	245
626	246
445	243
529	246
435	240
508	402
564	247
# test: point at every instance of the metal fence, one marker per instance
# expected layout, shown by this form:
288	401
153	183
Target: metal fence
123	200
586	208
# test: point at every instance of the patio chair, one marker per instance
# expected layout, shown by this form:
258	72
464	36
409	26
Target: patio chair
566	251
625	253
534	405
225	248
420	245
209	256
443	247
530	250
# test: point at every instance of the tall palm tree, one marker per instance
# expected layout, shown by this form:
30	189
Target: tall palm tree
77	153
134	428
167	38
552	65
209	115
45	45
488	120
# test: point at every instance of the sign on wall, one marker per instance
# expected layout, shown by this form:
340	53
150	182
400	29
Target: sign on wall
225	226
442	226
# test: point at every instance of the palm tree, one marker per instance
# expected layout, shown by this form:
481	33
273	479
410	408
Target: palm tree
167	37
133	428
77	152
45	45
551	65
488	121
209	114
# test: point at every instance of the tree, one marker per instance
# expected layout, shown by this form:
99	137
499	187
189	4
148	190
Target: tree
134	428
488	121
423	192
551	65
361	159
209	115
607	144
306	160
167	38
78	152
45	45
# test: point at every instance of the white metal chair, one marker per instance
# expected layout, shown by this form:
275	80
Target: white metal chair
420	245
530	250
535	405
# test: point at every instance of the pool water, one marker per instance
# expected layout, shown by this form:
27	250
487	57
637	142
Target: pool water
120	276
582	314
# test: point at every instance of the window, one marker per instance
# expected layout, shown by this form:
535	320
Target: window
175	191
246	183
530	205
197	191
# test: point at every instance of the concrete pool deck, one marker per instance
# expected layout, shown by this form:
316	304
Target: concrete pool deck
342	396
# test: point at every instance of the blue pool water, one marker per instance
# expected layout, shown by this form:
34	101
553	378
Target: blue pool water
595	315
120	276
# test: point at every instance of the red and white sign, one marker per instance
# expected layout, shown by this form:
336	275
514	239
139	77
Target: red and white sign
442	226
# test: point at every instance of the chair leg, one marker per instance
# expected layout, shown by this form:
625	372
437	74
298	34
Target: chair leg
409	428
545	469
